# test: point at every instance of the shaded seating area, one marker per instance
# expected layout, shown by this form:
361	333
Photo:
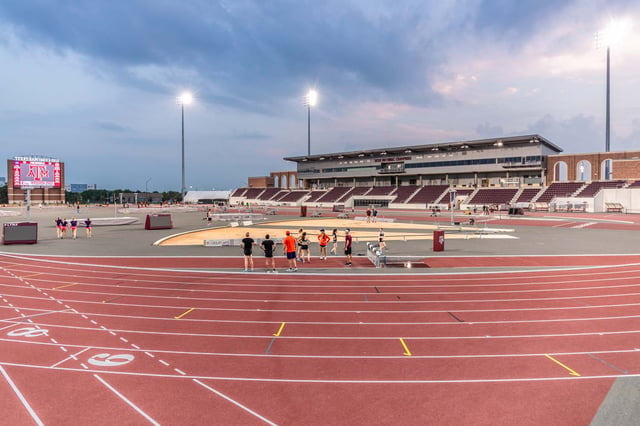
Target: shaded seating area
594	187
381	190
293	196
268	193
358	190
493	196
559	189
527	195
253	193
614	207
403	193
334	194
315	195
428	194
239	192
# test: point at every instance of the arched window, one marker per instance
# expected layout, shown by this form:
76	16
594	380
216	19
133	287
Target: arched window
583	171
606	169
560	172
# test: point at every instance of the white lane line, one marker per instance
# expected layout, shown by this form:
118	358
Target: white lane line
165	363
150	355
131	404
180	371
234	402
72	356
33	414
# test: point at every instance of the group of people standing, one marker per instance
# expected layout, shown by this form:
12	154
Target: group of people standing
62	225
295	249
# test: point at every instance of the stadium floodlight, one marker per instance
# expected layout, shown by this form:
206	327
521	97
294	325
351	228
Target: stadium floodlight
310	99
185	98
613	35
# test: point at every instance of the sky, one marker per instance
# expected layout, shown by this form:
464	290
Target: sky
94	83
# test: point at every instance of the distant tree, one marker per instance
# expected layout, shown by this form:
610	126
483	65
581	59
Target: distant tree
72	197
171	196
4	195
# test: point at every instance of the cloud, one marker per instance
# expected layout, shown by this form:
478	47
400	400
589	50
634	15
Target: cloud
112	127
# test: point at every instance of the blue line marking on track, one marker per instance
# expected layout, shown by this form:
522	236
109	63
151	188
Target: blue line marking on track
608	364
270	344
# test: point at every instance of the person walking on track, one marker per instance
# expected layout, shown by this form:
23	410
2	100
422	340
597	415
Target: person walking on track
334	239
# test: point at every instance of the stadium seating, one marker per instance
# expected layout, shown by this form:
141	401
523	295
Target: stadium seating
595	186
428	194
403	193
527	195
239	192
358	190
315	195
293	196
253	193
559	189
334	194
381	190
268	194
493	196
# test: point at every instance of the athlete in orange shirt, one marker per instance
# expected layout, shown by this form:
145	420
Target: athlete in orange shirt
289	244
323	239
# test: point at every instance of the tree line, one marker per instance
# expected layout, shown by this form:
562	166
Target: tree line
99	196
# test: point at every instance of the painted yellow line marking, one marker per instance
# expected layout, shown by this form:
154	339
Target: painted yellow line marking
32	275
63	286
280	330
407	352
184	313
572	372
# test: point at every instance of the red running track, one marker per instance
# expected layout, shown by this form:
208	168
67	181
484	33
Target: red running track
83	343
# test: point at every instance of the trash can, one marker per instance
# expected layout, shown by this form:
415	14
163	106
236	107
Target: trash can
438	240
303	211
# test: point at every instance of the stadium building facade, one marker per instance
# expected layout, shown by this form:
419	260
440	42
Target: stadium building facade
518	161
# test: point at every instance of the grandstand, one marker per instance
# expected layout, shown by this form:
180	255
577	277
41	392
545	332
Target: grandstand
428	194
558	189
486	196
523	171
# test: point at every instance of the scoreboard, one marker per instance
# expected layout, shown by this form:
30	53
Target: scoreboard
36	173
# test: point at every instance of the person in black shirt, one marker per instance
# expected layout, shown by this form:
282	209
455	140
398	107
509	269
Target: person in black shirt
247	245
268	245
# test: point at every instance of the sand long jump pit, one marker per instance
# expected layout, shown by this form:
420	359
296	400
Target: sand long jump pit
359	229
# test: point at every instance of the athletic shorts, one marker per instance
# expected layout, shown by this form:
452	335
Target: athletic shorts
248	254
291	255
268	255
347	250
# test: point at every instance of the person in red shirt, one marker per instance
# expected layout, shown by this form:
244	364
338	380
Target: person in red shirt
348	241
323	239
290	244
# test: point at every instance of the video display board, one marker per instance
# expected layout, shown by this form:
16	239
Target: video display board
36	173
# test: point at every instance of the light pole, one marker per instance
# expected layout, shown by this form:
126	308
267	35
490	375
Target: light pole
611	35
310	100
184	99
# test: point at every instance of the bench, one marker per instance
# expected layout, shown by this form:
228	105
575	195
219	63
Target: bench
316	214
343	216
271	212
613	207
